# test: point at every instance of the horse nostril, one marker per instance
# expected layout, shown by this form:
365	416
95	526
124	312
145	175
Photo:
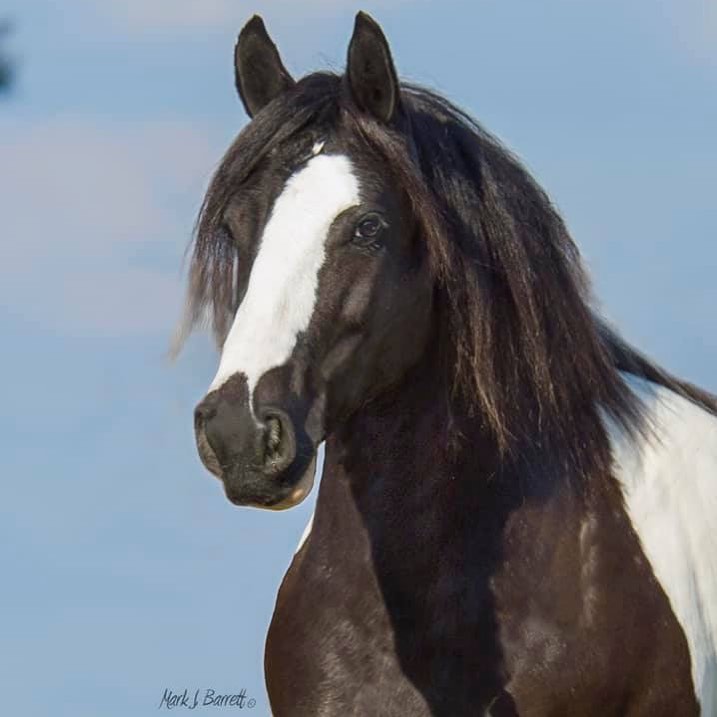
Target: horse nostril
278	442
203	413
273	436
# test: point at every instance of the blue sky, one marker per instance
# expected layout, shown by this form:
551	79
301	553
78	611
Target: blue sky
125	570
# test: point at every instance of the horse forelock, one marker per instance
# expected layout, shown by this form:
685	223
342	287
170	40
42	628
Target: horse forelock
211	294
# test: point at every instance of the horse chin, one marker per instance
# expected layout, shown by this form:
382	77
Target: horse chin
277	492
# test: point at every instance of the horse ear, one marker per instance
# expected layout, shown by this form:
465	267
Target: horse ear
259	73
371	75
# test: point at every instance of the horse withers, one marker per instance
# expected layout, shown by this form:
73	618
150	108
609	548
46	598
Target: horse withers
517	509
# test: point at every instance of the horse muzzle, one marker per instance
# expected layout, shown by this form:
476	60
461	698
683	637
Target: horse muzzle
257	456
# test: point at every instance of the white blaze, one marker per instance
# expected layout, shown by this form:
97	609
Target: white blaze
670	488
281	295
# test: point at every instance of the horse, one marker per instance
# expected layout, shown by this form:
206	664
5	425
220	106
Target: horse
516	514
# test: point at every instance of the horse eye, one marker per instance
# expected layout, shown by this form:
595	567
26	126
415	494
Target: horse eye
369	229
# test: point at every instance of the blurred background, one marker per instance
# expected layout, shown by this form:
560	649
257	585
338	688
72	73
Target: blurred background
125	571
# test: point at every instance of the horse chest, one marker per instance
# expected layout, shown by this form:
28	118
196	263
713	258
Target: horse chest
330	651
336	648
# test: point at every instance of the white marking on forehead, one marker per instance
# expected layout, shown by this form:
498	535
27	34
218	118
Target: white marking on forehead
670	488
281	295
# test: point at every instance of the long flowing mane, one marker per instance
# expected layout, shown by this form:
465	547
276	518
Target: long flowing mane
525	348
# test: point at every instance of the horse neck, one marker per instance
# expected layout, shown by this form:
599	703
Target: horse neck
421	477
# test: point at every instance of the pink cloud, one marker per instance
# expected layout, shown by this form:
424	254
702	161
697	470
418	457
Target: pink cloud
95	221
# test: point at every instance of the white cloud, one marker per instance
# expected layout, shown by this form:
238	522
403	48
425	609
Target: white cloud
163	15
95	221
158	15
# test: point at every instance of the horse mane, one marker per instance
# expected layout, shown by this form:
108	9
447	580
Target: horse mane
527	352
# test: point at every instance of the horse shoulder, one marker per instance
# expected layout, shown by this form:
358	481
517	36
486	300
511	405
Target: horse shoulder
669	483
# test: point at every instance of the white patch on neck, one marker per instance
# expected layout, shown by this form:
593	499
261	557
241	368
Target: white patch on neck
305	534
670	489
281	294
320	457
